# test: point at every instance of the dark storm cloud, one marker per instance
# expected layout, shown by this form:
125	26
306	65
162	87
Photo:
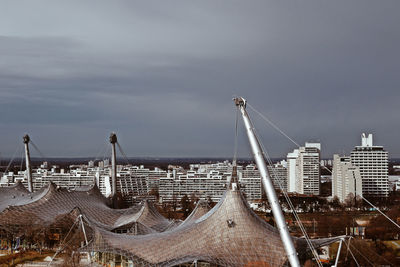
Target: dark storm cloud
163	75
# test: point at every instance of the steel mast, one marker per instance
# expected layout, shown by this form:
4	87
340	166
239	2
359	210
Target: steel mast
268	186
26	139
113	140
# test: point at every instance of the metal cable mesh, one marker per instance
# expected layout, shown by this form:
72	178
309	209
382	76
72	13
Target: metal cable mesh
230	234
20	208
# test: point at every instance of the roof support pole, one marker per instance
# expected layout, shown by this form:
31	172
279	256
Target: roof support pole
83	229
338	252
113	140
267	184
26	139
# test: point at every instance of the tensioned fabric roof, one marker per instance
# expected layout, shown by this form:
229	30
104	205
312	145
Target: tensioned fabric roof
230	234
20	208
17	195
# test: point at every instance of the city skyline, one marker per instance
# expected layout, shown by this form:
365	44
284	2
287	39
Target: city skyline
162	75
106	154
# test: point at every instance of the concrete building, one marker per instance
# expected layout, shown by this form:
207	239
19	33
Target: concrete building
291	170
278	173
203	180
308	169
209	181
303	169
346	178
394	182
131	180
373	163
250	182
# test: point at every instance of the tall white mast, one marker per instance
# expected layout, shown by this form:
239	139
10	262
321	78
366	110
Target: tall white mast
113	140
268	186
28	163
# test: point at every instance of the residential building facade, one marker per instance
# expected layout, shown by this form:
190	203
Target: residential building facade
346	179
303	170
373	163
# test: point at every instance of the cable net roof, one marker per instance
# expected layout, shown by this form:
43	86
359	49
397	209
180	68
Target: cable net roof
201	209
21	208
230	234
17	195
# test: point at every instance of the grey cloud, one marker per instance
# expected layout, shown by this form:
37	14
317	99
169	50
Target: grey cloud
162	75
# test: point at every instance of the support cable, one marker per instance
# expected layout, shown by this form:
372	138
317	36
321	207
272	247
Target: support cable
273	125
361	254
280	130
42	156
12	159
283	133
65	238
107	152
303	230
22	160
351	253
287	240
381	212
236	136
101	151
347	252
38	150
235	147
379	256
294	142
123	153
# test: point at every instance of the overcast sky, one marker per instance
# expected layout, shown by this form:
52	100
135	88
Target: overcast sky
162	75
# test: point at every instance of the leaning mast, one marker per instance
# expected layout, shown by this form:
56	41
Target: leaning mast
267	184
26	139
113	140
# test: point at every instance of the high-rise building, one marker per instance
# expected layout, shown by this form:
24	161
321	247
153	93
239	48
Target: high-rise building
278	174
303	169
209	181
373	163
291	170
308	169
346	178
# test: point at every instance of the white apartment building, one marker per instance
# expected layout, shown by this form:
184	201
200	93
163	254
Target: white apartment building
373	163
292	170
394	182
201	185
203	180
131	180
303	169
278	173
346	178
41	177
308	169
250	182
209	181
